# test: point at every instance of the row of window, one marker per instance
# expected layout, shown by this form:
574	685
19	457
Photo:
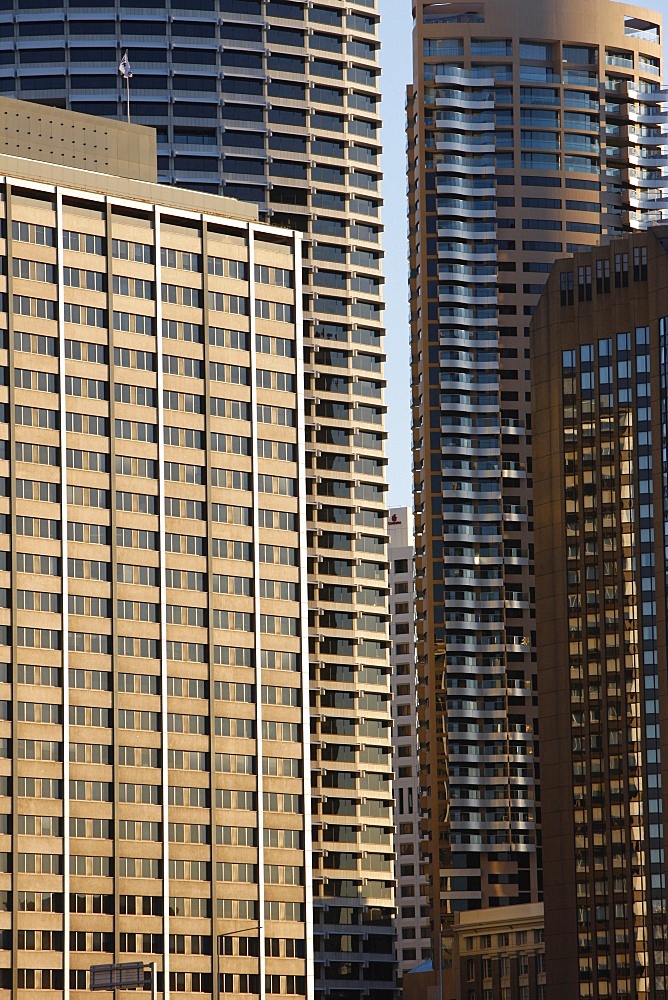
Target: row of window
179	982
25	305
44	381
193	652
621	276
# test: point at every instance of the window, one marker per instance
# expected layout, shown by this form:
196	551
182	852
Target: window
584	284
535	51
140	252
566	288
602	276
28	233
640	264
621	270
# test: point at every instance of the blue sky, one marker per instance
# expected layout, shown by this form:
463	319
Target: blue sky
396	28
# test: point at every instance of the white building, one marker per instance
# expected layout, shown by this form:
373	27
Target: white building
412	920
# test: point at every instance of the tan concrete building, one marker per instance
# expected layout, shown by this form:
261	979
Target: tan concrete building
534	129
155	798
492	954
500	954
600	440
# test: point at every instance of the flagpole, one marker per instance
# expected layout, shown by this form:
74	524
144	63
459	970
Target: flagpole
125	70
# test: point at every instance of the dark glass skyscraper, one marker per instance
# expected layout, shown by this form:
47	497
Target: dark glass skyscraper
278	103
600	375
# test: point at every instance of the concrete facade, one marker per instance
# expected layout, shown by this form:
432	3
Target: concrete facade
277	103
155	737
69	139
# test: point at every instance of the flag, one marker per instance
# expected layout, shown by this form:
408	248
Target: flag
124	67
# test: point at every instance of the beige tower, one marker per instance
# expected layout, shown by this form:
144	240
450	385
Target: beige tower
154	742
534	130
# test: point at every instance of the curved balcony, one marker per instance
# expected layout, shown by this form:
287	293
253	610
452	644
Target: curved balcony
463	122
463	402
472	387
646	117
476	539
460	488
483	144
460	293
475	231
456	75
481	644
460	272
467	251
470	602
648	96
467	338
472	210
475	186
646	185
466	317
479	165
447	448
519	559
453	369
514	474
483	102
478	314
647	140
646	161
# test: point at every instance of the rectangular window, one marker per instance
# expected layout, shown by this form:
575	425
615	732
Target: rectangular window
621	270
566	288
640	264
602	276
584	284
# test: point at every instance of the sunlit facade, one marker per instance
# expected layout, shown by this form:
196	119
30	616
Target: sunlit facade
534	130
276	102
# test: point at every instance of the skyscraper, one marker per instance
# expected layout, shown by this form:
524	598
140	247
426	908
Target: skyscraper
533	130
154	733
413	944
277	102
600	380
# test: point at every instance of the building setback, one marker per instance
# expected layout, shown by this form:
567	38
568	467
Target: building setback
412	915
276	102
154	742
600	441
533	130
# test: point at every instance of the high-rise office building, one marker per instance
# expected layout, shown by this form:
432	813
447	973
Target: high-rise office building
534	129
277	102
413	943
154	742
600	379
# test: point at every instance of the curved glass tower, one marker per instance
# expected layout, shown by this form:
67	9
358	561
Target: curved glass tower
277	102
